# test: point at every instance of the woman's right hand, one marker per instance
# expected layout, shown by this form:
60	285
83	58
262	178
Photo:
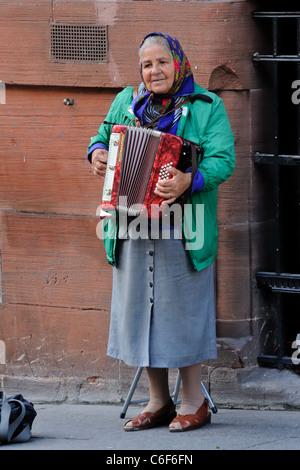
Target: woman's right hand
99	160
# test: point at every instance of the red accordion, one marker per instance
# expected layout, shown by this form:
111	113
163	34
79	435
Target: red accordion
137	158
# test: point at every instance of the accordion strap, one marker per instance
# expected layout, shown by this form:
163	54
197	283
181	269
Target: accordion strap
188	191
135	92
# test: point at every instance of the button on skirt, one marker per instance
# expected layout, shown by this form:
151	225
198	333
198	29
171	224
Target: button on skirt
162	309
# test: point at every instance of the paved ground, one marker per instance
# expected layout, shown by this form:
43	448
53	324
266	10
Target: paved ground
99	427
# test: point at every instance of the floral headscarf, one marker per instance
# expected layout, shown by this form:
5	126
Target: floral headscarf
183	85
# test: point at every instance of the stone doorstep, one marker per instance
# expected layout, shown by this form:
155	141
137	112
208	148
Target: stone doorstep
256	387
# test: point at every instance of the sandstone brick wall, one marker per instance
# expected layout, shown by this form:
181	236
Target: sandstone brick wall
54	280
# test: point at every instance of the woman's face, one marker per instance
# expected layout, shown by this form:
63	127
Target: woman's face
157	69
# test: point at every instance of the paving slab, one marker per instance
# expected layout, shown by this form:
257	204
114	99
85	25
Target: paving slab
99	427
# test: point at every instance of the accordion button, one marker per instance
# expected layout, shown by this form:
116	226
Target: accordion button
151	269
151	300
151	253
150	284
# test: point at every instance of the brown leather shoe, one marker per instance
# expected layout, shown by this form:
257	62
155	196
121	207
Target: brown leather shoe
189	422
149	420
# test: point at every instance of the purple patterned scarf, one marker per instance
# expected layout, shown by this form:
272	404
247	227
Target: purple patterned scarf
183	85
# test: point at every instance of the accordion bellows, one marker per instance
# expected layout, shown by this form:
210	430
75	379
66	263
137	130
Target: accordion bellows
137	158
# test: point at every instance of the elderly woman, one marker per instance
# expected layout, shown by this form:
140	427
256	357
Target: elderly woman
162	310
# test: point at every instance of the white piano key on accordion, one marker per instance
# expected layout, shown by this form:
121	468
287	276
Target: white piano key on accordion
111	163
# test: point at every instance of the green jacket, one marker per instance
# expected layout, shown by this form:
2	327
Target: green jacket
206	124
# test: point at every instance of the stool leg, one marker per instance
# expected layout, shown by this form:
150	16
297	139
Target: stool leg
176	389
131	392
211	403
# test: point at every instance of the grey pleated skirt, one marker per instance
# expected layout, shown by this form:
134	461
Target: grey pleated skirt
162	310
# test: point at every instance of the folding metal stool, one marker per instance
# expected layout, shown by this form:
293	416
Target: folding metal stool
174	395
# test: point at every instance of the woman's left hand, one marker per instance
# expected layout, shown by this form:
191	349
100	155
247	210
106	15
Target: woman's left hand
173	187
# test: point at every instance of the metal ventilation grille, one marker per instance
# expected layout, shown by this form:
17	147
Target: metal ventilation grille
78	43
